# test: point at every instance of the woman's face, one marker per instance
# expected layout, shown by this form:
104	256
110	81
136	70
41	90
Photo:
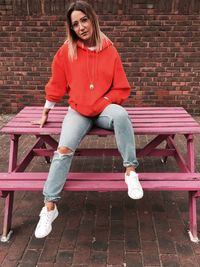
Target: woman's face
82	26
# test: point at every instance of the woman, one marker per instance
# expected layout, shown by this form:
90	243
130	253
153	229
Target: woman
88	68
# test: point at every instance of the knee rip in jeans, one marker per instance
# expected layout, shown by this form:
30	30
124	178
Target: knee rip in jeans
63	152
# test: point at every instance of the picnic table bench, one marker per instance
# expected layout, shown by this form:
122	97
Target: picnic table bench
163	123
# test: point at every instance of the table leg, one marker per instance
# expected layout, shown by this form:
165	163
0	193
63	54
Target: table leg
192	195
8	207
7	217
190	150
193	217
13	152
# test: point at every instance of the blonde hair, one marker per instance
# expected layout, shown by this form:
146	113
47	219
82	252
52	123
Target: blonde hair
72	38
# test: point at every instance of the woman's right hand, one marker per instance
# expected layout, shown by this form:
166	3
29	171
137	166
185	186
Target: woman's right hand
43	119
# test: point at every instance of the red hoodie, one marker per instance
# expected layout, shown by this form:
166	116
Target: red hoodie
103	69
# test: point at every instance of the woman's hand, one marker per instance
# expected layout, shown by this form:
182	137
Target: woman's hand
43	119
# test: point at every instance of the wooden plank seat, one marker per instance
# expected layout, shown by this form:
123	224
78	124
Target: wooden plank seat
102	182
30	181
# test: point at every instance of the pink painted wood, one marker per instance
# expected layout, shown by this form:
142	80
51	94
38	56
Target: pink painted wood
102	186
166	123
102	181
101	176
193	216
145	120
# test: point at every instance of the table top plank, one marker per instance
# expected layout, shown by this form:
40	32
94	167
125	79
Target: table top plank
136	125
139	119
145	120
135	110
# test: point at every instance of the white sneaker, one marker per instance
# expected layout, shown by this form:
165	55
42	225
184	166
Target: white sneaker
135	190
44	226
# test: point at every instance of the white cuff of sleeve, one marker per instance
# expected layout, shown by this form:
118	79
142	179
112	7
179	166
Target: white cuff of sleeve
49	104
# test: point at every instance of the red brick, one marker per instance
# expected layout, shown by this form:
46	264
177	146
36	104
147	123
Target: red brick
30	258
170	260
98	259
130	218
68	240
150	253
117	230
82	253
86	231
132	240
49	252
102	217
186	255
100	239
146	226
133	260
23	230
64	257
116	253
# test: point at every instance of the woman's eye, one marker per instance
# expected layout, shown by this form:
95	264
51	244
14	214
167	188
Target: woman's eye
84	20
75	25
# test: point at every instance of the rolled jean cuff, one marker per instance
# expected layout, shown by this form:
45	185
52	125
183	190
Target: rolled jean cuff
128	164
51	199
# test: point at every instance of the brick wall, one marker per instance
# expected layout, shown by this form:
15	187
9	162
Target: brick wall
159	42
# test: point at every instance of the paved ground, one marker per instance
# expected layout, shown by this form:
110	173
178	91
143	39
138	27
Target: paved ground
101	229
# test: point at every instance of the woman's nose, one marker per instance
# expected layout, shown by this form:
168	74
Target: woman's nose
81	27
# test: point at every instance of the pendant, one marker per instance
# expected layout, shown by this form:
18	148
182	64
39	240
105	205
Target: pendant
91	86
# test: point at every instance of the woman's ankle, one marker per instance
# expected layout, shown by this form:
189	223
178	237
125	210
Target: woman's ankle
50	205
129	169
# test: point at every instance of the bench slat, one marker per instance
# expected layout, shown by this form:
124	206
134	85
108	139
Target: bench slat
103	186
37	176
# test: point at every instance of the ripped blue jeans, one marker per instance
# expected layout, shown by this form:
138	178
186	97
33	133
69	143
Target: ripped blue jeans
75	126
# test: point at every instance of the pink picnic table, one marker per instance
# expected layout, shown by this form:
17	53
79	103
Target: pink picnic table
162	123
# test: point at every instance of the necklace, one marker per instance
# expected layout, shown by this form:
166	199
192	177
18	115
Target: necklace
91	70
91	86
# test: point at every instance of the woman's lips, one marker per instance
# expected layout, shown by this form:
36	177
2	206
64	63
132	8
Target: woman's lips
84	33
